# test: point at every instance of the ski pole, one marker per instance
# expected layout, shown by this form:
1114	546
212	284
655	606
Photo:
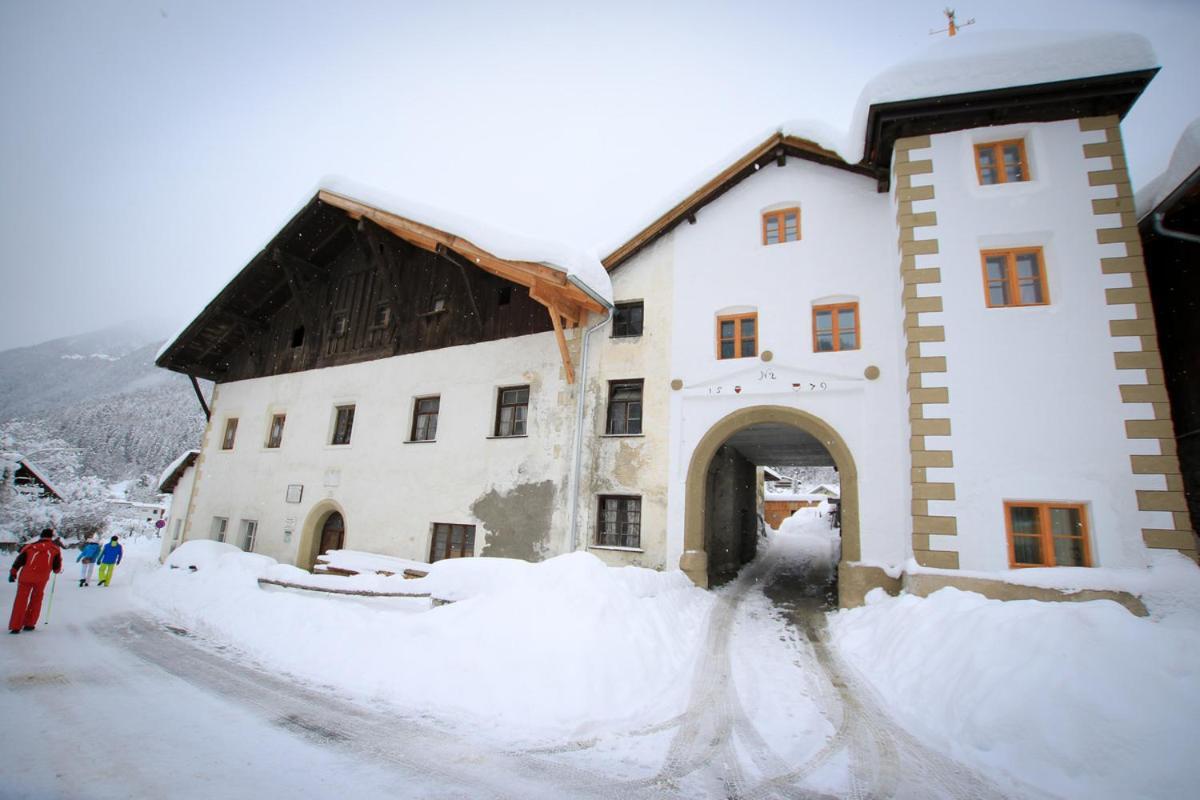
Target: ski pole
50	605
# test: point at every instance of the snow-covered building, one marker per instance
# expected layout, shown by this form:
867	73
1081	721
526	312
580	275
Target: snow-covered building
944	305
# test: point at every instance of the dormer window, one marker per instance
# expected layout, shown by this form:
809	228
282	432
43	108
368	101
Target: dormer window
1001	162
781	226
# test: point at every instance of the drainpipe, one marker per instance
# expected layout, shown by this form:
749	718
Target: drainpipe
576	472
1159	228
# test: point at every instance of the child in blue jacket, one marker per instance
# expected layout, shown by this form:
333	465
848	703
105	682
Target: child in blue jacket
110	556
87	555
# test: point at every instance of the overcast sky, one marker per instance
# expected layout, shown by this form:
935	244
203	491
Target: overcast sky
149	149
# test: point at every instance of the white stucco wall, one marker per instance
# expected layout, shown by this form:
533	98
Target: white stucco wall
1034	402
177	513
390	490
847	252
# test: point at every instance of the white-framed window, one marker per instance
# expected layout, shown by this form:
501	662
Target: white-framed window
249	531
220	525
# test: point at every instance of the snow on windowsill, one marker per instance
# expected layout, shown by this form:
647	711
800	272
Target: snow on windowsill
615	548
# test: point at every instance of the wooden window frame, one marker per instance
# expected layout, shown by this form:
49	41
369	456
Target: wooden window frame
229	436
833	309
501	405
997	149
737	319
376	322
467	548
274	442
613	386
418	415
1045	534
616	334
335	437
622	512
780	215
1011	281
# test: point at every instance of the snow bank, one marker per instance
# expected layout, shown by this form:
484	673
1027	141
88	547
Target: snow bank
361	561
1185	160
1079	699
565	646
808	535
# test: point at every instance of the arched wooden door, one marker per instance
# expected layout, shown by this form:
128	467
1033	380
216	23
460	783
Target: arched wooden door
333	533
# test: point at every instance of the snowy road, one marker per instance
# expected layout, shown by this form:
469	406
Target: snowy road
114	703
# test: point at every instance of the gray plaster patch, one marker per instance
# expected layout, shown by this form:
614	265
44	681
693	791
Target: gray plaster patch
517	521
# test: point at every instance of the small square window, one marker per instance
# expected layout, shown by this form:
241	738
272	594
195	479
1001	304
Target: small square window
835	327
619	522
343	425
341	324
425	419
1014	278
624	408
275	434
382	316
781	226
1047	534
1001	162
512	411
627	319
230	433
737	336
451	541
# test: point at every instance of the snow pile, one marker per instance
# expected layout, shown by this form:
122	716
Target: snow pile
572	646
1185	160
808	532
984	60
1079	699
360	561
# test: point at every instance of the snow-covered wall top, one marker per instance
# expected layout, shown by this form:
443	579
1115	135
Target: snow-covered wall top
1185	160
174	465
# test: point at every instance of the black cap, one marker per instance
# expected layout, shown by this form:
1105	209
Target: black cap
47	533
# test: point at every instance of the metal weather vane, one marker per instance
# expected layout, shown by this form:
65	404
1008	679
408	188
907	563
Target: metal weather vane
953	27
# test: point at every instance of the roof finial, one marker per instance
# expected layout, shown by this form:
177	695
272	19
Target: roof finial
953	27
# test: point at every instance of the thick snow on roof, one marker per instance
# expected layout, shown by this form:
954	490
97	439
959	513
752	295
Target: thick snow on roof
582	269
1185	160
983	60
174	465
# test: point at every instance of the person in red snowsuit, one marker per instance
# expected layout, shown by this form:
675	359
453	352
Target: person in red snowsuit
35	563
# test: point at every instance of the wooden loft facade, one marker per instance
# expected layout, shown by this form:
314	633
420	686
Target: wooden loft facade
345	282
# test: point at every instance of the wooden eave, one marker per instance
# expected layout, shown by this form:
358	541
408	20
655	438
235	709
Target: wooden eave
776	148
172	480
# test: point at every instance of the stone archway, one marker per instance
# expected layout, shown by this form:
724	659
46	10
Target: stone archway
694	561
314	524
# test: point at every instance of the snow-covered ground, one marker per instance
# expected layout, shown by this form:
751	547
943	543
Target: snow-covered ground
569	678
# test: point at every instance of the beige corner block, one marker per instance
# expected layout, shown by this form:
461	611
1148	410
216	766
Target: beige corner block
922	276
912	351
920	508
1118	264
1117	235
917	475
1137	359
915	193
1182	521
1139	393
1107	177
916	444
1174	483
1131	327
936	559
1154	465
1137	294
1133	247
933	394
1149	500
920	541
907	143
927	364
1156	377
940	459
903	182
1102	149
1168	540
923	305
930	427
922	167
1149	429
913	381
921	247
933	491
1099	123
929	333
941	526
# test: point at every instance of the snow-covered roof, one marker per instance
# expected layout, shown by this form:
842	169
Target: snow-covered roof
826	489
979	61
793	497
1184	163
174	471
21	461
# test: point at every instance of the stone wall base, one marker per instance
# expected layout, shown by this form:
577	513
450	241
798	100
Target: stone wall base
855	580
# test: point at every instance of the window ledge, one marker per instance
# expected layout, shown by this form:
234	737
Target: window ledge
627	337
338	446
614	547
515	436
622	436
420	441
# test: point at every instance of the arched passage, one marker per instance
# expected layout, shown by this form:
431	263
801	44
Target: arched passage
326	520
695	558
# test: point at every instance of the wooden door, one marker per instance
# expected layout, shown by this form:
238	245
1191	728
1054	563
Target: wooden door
333	533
